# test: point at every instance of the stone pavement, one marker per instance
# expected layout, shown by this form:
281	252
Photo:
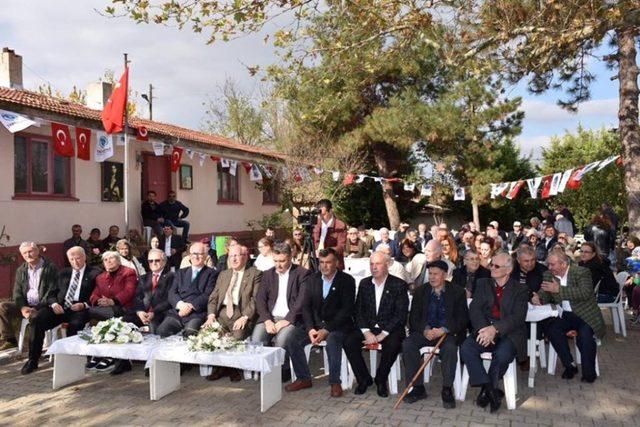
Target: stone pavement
106	400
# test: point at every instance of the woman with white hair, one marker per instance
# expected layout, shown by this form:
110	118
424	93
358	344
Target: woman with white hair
127	259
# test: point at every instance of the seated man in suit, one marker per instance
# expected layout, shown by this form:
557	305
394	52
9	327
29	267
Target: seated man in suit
233	302
279	303
328	312
68	302
189	295
172	246
436	310
571	287
380	314
497	313
113	294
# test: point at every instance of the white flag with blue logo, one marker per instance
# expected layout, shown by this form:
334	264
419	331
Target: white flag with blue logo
104	146
15	122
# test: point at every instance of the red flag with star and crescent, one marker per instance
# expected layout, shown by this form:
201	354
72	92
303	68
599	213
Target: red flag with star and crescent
142	134
83	143
113	112
176	158
62	144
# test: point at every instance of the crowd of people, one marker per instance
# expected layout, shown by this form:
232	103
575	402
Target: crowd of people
469	289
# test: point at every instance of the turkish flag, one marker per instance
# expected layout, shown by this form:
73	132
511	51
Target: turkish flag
62	144
215	159
142	134
83	143
546	187
246	166
349	179
176	157
113	112
574	182
513	192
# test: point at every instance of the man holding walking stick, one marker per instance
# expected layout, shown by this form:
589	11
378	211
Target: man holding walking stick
436	310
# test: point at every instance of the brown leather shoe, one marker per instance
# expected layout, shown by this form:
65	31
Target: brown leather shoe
298	385
336	390
235	375
218	372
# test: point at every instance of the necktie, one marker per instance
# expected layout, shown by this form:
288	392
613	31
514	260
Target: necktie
68	301
229	298
154	282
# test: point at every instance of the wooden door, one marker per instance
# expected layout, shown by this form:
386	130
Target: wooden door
156	176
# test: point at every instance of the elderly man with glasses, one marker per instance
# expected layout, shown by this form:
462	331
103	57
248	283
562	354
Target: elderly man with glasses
468	275
497	313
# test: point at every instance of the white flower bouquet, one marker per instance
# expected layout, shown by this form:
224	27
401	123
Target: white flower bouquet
213	338
114	331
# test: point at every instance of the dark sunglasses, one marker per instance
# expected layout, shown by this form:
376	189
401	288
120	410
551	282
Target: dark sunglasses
492	265
152	261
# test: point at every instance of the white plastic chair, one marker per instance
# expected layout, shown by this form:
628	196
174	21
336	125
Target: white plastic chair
49	337
617	306
553	358
345	377
428	370
510	380
541	351
395	374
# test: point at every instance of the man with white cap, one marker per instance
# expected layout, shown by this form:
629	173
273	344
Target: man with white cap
501	233
516	236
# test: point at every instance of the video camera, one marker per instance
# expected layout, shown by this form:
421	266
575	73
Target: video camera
308	218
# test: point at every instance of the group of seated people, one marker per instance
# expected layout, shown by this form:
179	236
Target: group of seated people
284	303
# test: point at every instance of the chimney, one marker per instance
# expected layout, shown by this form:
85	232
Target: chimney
10	69
98	94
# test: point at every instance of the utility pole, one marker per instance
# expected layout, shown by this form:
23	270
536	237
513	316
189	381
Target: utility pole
149	99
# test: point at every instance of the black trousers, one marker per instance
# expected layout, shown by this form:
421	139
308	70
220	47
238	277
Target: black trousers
48	319
132	316
585	340
391	346
412	360
171	325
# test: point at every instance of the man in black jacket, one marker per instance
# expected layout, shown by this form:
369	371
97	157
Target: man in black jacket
328	312
150	213
438	309
67	302
380	313
173	212
497	313
171	245
527	271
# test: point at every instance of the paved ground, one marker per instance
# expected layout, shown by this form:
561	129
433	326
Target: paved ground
105	400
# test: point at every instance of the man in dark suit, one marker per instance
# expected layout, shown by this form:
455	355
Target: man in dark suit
233	302
380	313
67	302
497	313
550	239
438	309
328	312
171	245
279	303
189	295
150	213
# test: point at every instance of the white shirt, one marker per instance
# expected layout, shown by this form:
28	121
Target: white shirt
398	270
566	306
76	295
281	308
323	231
263	263
378	289
235	293
167	246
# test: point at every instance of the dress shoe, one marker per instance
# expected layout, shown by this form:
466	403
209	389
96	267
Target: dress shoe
235	375
569	372
418	393
448	401
29	367
336	390
218	372
298	385
483	398
106	365
362	386
122	366
495	400
588	378
382	389
92	363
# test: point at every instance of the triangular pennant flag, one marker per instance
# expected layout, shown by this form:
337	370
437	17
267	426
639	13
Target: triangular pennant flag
254	173
377	179
15	122
104	147
224	162
515	189
190	153
158	148
620	162
246	166
458	194
608	161
176	158
587	169
202	158
546	187
318	171
83	143
534	184
426	190
285	173
215	159
335	175
349	179
120	140
500	189
574	183
142	134
233	167
565	179
360	179
62	144
409	187
555	183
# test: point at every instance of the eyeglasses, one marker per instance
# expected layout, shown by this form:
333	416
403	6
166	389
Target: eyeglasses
153	261
198	254
492	265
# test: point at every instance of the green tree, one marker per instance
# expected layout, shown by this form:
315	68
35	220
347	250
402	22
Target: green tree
580	148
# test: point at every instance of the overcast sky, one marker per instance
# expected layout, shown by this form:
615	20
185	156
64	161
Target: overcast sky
67	43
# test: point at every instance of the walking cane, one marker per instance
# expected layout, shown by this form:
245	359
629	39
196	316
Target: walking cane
419	373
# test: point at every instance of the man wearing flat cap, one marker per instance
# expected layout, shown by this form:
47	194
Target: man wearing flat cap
438	308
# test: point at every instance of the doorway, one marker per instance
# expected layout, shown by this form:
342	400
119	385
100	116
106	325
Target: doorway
156	176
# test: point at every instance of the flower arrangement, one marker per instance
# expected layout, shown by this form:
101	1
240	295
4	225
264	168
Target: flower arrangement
114	331
213	338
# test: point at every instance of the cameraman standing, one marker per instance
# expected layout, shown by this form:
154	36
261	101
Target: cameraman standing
329	232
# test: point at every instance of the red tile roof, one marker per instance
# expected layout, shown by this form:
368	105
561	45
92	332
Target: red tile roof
64	107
